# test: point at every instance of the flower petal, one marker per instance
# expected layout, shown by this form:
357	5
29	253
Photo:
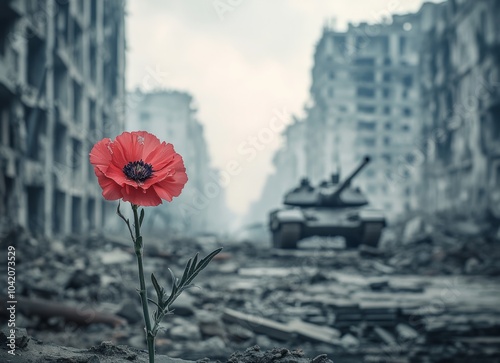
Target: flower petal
110	190
136	145
101	154
171	186
119	177
139	196
162	155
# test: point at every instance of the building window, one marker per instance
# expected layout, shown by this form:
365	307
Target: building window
330	92
366	92
387	61
366	125
388	126
369	141
404	94
408	81
364	76
387	140
386	92
366	109
405	128
387	158
364	61
387	77
402	45
407	111
387	110
331	75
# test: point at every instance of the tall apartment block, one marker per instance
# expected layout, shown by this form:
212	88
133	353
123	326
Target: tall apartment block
61	86
461	109
365	92
171	115
364	100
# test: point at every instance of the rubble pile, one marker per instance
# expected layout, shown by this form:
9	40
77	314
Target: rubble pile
444	244
353	305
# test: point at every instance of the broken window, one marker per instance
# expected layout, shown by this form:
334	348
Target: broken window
77	45
366	125
402	45
62	24
93	62
5	124
91	213
76	159
364	61
407	111
366	92
35	196
387	140
36	128
58	212
387	77
368	141
386	92
36	62
60	144
93	13
407	80
366	76
76	214
387	110
388	126
61	84
366	109
77	102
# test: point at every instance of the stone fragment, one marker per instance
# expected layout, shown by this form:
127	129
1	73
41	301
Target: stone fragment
259	324
406	332
385	336
21	337
130	310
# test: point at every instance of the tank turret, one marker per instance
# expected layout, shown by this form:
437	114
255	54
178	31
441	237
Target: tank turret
328	194
329	209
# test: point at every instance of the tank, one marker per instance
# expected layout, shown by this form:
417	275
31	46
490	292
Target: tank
332	208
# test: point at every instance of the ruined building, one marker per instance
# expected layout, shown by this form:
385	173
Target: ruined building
61	75
460	67
171	115
365	92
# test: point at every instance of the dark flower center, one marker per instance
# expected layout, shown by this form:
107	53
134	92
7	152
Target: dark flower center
138	171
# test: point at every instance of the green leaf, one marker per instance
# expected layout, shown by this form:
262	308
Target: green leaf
203	263
193	266
159	290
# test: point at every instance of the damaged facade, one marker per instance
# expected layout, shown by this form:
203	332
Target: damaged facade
460	68
421	96
171	115
61	75
364	101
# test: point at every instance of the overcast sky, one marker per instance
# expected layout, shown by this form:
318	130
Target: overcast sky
245	62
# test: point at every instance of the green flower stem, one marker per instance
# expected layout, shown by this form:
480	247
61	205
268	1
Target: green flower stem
143	292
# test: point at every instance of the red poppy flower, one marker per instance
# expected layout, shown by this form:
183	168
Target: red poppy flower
138	168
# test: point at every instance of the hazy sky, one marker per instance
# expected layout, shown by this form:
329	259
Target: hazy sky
246	62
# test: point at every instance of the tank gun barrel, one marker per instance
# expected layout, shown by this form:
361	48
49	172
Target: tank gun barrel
345	184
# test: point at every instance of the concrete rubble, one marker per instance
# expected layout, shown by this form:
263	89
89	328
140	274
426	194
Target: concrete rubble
419	298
